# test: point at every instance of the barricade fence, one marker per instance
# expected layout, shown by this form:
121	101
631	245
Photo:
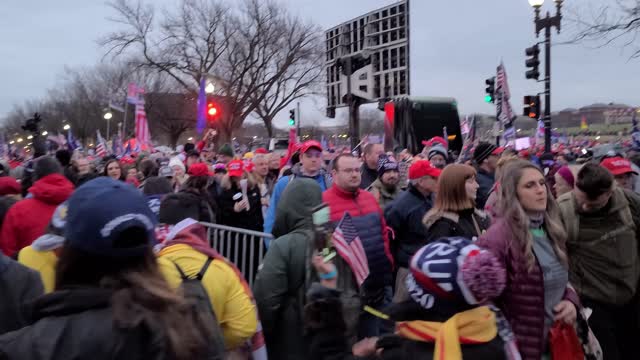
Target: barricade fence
244	248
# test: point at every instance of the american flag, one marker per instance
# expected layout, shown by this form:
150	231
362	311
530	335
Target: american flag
505	111
101	148
72	144
133	92
347	243
142	127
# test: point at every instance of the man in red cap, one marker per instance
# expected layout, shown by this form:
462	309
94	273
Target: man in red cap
310	166
404	216
621	170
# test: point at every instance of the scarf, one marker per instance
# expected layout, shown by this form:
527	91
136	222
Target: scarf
473	326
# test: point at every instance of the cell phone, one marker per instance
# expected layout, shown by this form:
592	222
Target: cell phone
320	216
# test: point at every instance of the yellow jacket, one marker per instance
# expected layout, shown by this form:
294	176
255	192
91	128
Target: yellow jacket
44	262
229	295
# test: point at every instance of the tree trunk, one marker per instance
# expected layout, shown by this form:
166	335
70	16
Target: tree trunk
173	138
268	124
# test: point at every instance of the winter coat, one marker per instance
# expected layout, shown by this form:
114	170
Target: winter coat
462	223
19	285
246	219
230	298
44	262
383	194
281	283
369	222
486	181
603	247
404	216
522	301
368	176
79	324
28	219
322	179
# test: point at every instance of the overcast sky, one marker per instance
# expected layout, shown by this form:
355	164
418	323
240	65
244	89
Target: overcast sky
456	45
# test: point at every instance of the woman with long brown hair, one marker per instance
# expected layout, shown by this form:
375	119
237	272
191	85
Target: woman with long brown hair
110	299
529	240
454	212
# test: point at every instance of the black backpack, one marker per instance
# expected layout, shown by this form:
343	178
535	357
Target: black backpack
198	299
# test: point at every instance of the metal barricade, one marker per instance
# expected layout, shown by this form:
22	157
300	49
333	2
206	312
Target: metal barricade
244	248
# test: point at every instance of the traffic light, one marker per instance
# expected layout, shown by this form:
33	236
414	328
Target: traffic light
292	117
490	90
212	111
531	106
532	62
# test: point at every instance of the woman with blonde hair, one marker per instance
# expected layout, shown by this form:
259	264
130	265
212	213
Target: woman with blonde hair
454	212
529	240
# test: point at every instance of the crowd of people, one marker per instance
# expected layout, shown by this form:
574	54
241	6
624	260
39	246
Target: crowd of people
489	254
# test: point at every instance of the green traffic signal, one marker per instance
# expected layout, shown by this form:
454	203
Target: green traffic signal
292	122
488	98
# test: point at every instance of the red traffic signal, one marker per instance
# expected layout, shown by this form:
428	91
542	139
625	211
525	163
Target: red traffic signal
212	111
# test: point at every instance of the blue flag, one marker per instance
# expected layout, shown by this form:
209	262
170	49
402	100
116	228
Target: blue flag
72	144
202	107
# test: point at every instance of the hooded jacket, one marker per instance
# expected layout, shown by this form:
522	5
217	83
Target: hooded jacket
229	294
78	324
18	285
281	284
28	219
321	179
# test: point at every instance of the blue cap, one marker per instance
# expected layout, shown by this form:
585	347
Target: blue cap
100	210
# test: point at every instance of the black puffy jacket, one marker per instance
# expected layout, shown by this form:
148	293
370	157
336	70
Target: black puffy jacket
79	324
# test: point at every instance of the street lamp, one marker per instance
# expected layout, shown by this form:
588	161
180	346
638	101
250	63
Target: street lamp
29	137
19	140
547	23
108	115
45	133
210	88
66	127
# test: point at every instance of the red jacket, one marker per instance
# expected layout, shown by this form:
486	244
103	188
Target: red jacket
369	221
28	219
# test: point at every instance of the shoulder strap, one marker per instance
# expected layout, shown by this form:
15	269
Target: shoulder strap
204	268
200	274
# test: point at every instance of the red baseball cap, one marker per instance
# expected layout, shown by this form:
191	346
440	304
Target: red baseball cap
422	168
235	168
9	186
618	166
261	151
310	144
199	169
498	151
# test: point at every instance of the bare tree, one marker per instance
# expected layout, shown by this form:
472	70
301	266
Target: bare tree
617	22
246	49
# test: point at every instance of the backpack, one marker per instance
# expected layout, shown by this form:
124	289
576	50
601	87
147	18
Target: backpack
197	297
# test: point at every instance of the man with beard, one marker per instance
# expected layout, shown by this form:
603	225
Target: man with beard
385	189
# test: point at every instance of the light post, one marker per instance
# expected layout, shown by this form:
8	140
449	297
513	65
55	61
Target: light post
107	116
546	24
66	127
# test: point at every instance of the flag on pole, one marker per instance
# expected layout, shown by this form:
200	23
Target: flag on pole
347	243
101	147
202	107
445	135
635	132
143	137
323	142
504	109
72	144
583	123
132	93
